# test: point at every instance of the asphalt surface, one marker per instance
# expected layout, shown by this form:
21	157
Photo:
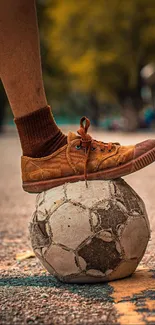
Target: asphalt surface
29	295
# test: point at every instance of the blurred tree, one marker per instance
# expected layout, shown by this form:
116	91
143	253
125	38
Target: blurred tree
102	47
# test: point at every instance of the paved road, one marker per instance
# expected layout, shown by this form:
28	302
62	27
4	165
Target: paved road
28	295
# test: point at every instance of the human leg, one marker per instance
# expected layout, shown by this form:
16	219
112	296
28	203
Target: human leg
20	64
21	74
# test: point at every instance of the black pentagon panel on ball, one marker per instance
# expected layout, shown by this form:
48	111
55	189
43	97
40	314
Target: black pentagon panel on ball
128	197
100	255
39	236
110	216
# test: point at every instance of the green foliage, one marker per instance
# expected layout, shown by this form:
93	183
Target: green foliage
102	45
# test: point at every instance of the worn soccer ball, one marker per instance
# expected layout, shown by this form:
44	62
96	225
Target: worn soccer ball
90	234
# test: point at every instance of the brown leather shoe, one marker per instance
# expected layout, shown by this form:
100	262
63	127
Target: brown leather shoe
84	159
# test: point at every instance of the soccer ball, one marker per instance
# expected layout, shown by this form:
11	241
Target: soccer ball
90	234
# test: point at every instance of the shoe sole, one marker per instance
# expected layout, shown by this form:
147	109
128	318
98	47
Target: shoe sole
110	173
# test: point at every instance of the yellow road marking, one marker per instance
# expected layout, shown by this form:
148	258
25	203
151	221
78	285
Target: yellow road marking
128	314
128	292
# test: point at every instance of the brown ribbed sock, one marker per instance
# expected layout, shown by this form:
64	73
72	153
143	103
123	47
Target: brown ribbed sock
39	134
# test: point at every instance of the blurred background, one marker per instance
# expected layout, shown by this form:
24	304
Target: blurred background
98	60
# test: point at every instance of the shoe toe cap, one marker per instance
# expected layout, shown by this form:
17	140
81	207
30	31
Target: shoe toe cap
143	147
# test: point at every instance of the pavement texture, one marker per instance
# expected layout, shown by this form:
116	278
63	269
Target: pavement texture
29	295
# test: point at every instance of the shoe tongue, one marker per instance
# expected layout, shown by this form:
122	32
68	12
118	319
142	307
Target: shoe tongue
72	136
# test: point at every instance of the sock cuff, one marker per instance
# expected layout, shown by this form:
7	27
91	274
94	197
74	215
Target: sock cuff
38	124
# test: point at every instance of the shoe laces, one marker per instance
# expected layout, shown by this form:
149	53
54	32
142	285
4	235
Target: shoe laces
86	142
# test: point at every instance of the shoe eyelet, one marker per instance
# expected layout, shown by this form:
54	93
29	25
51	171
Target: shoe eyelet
93	148
102	150
109	150
78	147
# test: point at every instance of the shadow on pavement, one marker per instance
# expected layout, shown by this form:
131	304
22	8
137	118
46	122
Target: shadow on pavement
97	291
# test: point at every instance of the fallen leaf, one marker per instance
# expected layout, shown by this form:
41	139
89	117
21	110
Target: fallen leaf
24	255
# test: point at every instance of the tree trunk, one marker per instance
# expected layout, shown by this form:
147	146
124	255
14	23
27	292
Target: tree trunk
132	104
94	109
152	87
131	116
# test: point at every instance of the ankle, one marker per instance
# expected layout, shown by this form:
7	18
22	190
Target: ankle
39	134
